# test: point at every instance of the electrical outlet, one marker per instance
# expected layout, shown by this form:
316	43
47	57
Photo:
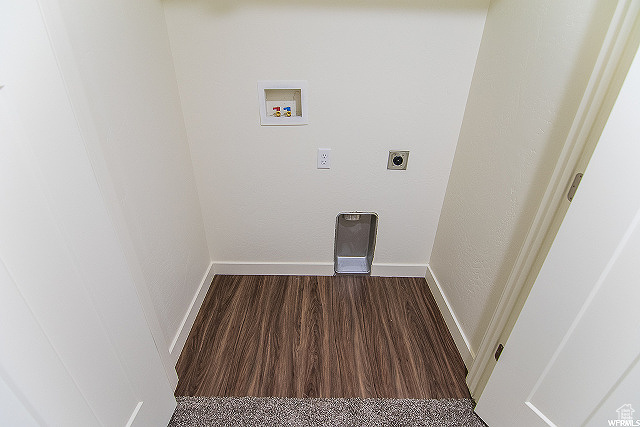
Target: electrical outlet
324	158
398	160
281	108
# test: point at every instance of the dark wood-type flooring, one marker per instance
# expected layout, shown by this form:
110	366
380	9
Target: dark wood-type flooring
344	336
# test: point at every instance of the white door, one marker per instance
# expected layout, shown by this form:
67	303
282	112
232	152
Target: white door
75	349
572	358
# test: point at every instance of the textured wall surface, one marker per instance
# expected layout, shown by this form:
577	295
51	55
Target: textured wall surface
124	62
532	69
382	75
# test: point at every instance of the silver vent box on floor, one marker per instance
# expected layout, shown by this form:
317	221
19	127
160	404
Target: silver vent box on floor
355	242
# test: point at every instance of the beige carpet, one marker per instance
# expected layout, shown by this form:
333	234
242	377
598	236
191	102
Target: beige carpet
273	411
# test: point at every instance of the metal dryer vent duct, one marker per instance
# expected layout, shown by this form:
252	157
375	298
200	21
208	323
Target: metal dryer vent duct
355	241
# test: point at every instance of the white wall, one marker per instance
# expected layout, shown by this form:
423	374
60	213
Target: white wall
118	66
382	75
533	66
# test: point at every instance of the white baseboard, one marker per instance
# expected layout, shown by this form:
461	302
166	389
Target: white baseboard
314	269
275	268
398	270
190	316
459	337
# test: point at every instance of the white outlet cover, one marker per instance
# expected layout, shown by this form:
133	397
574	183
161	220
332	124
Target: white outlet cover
324	158
267	119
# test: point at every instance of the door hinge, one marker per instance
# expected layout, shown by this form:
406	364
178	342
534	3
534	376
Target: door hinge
499	351
574	186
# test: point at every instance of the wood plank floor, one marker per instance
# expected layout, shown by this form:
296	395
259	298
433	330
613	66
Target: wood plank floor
344	336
